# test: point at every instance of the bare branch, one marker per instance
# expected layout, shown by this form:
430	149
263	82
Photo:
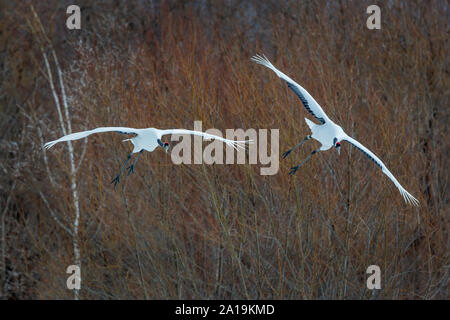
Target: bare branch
52	213
3	262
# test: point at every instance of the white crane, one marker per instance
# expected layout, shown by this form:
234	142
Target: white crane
327	132
145	139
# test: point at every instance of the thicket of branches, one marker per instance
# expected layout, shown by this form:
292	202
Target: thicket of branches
222	231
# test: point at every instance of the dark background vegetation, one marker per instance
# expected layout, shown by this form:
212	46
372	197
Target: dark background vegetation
224	231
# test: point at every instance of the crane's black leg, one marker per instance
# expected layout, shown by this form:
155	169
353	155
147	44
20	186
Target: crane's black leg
294	169
117	179
131	168
298	145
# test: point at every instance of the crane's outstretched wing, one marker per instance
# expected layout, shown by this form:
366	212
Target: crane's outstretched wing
83	134
406	195
308	101
231	143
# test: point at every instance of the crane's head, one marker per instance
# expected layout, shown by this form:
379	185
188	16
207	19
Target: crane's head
337	145
164	145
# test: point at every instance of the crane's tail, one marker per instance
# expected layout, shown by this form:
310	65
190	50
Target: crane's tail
310	124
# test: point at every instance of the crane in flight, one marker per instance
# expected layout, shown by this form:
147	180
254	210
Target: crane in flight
327	132
144	139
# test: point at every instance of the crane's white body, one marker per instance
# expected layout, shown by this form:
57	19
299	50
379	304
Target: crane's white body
323	132
146	139
327	133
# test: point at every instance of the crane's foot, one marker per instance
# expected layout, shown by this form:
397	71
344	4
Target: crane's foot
130	169
293	170
116	180
286	153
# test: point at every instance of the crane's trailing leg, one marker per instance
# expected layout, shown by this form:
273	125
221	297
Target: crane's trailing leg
294	169
298	145
117	179
131	168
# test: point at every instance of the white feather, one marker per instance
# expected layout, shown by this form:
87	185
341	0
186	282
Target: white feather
232	143
312	104
405	194
83	134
